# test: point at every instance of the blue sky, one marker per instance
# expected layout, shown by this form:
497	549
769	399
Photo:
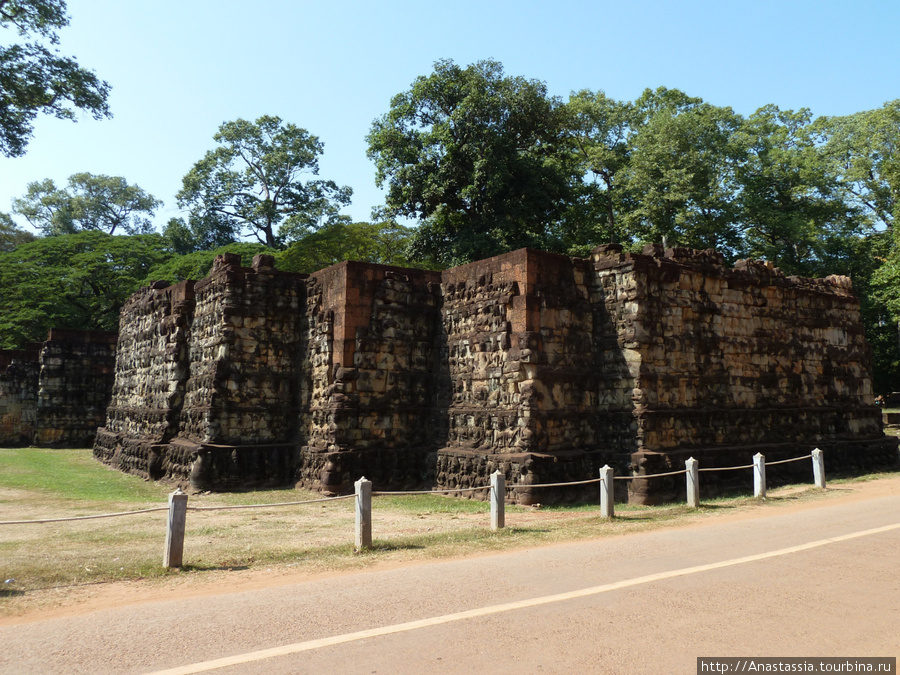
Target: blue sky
179	68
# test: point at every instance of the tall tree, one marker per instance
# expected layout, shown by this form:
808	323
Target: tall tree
681	169
252	184
599	131
35	80
476	157
792	204
864	153
201	232
89	202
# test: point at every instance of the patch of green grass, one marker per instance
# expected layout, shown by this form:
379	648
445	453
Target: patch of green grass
436	503
73	474
270	496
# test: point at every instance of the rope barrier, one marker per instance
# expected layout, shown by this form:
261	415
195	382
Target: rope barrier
651	475
726	468
380	494
102	515
785	461
263	506
430	492
578	482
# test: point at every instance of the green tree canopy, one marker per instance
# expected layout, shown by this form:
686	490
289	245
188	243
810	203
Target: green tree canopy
89	202
680	175
34	79
792	207
196	265
252	184
476	157
71	281
201	232
12	236
864	153
599	130
386	243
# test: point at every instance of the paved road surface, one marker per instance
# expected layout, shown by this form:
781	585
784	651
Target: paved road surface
822	581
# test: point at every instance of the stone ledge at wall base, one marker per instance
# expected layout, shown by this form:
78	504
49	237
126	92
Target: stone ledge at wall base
525	472
199	466
71	429
334	472
219	468
135	456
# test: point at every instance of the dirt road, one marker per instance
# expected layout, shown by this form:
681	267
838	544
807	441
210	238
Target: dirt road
819	579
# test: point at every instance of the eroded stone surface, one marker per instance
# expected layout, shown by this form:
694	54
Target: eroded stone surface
56	393
19	370
542	366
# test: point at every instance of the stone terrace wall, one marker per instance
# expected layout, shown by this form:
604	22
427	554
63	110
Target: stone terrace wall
723	362
521	370
208	378
372	374
19	371
241	405
151	371
55	393
244	355
76	379
539	365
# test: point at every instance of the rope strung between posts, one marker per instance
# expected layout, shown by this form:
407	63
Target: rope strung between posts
419	492
263	506
430	492
785	461
651	475
102	515
578	482
726	468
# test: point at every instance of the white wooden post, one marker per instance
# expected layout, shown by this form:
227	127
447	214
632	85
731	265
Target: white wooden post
818	460
498	500
607	494
759	475
174	552
363	513
693	482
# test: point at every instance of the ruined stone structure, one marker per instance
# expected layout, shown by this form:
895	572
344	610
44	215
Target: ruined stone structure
540	365
19	371
56	393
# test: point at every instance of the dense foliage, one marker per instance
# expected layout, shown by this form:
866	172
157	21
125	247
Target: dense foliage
386	243
196	265
35	79
477	157
11	236
71	281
